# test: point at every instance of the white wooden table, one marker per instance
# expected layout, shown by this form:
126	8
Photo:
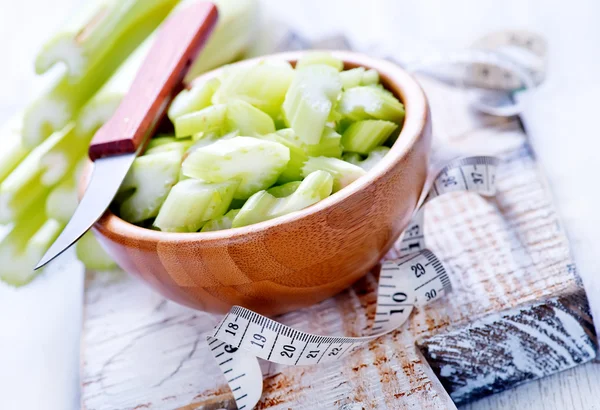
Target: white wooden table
40	326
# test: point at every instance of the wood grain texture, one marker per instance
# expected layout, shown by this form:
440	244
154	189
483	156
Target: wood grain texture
177	44
508	259
301	258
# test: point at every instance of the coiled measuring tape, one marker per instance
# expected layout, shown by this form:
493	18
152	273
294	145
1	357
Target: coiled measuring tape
416	278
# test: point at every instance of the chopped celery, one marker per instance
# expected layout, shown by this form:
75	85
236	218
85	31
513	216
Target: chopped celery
368	163
160	140
192	202
151	177
208	120
179	145
357	77
264	205
329	145
364	136
293	169
368	102
13	151
255	163
263	85
32	178
92	255
62	200
284	190
247	119
62	156
194	99
230	38
309	100
319	57
220	223
92	50
343	173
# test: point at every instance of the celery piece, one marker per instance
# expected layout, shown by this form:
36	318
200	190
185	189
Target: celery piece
208	120
319	57
151	177
160	140
92	255
369	102
358	76
343	173
329	145
62	156
192	202
92	51
13	151
25	244
293	169
62	200
309	100
179	145
33	177
284	190
220	223
247	119
370	77
364	136
194	99
231	37
263	85
368	163
264	205
255	163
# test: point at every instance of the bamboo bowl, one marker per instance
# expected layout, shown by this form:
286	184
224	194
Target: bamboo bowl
298	259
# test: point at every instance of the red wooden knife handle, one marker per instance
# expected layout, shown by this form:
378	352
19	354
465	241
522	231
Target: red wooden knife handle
179	41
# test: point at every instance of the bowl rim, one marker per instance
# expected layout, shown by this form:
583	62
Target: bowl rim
392	75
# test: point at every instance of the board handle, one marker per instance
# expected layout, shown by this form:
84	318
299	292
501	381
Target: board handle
179	40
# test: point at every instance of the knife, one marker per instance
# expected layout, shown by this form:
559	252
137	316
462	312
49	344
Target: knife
116	145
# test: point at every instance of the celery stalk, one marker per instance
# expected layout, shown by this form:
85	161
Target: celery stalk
368	102
194	99
62	200
330	145
13	151
293	169
368	163
364	136
220	223
264	205
191	203
358	76
93	256
255	163
343	173
179	145
247	119
320	57
309	101
208	120
92	52
281	191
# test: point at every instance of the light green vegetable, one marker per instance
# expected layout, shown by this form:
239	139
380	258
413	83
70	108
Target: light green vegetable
194	99
62	200
191	203
206	121
13	151
220	223
92	255
247	119
319	57
358	76
151	177
368	102
293	169
330	145
343	173
309	101
178	145
254	163
264	205
368	163
364	136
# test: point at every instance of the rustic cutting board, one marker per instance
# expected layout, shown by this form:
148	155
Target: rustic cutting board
518	311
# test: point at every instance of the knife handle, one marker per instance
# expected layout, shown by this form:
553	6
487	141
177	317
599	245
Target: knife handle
178	42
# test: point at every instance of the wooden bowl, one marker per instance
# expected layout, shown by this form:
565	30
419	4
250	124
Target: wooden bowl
298	259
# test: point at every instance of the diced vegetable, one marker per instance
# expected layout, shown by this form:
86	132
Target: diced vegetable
320	57
329	146
247	119
254	163
364	136
92	255
263	85
179	145
293	169
220	223
372	159
264	205
357	77
309	100
368	102
343	173
191	203
151	177
281	191
194	99
206	121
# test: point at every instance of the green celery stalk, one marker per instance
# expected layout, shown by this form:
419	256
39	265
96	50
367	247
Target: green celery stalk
220	223
93	256
343	173
368	163
320	57
370	102
92	50
194	99
13	151
364	136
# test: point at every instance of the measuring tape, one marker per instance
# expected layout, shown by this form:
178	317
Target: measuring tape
417	278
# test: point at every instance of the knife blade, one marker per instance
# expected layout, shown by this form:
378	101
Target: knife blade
118	142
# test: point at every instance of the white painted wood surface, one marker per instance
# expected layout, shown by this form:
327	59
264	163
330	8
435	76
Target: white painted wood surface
564	135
